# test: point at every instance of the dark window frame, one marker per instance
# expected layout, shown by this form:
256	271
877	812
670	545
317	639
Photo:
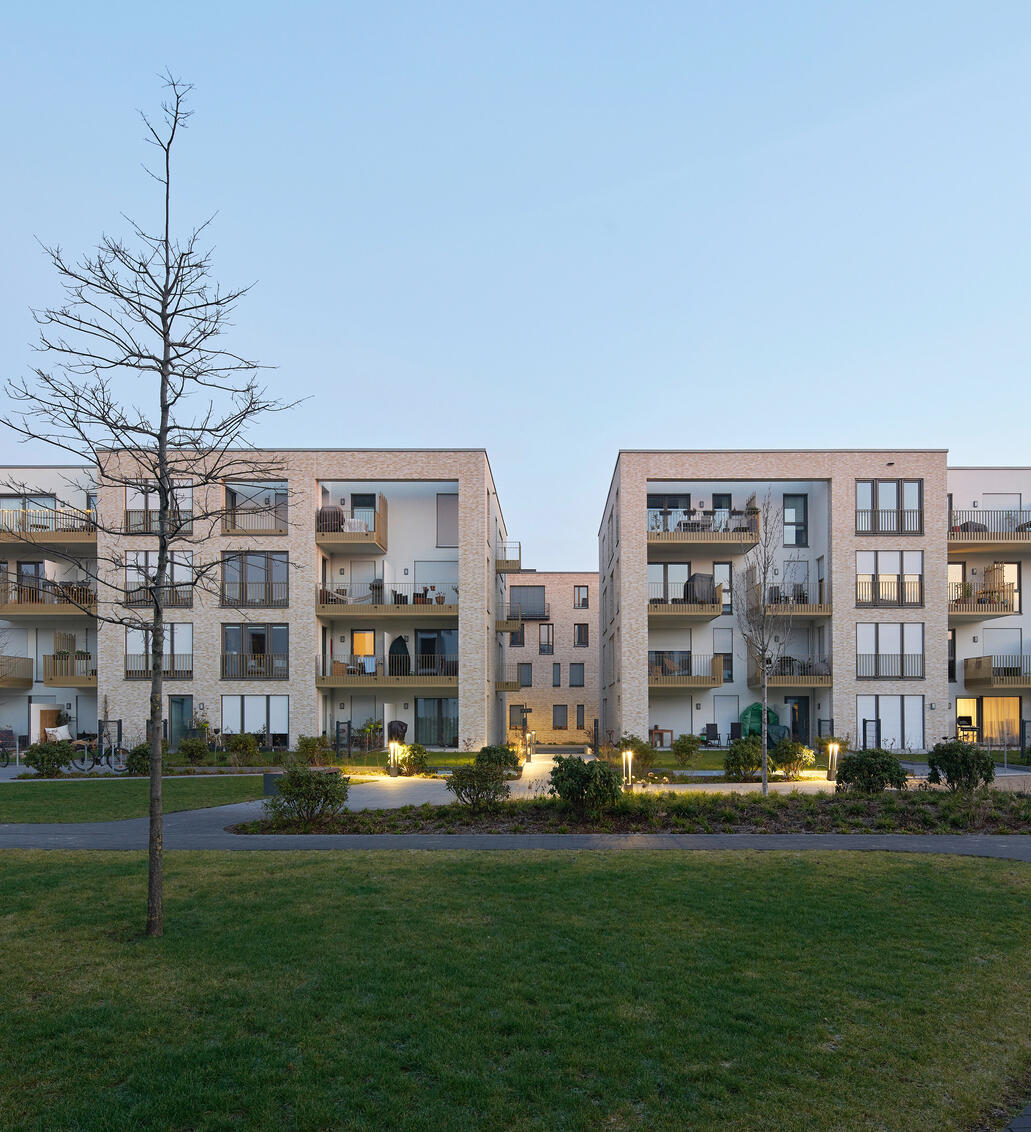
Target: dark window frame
573	683
555	724
586	642
581	597
795	525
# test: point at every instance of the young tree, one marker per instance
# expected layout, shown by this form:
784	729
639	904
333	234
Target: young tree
763	620
141	389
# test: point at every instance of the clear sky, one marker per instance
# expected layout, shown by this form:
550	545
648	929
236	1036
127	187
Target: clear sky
557	229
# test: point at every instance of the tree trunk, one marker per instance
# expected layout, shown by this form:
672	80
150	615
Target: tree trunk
765	730
155	866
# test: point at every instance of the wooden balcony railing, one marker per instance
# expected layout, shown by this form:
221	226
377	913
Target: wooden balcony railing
175	666
16	672
70	670
255	666
28	595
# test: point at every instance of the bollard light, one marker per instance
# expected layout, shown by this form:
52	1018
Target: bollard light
832	762
628	768
394	754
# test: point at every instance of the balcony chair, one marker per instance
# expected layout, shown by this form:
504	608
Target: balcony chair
712	735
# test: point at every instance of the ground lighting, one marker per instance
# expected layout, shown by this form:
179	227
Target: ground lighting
832	762
628	767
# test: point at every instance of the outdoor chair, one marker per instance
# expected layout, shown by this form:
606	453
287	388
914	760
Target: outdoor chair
735	731
712	735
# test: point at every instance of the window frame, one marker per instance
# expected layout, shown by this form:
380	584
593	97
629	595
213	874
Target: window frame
795	524
581	597
585	643
574	683
555	724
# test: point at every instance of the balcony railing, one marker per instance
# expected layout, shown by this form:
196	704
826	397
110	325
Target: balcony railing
174	666
720	525
379	593
435	666
889	666
147	522
255	520
1012	525
44	521
684	668
16	672
887	590
507	679
254	595
255	666
43	594
70	670
695	591
530	610
996	601
798	598
1012	671
175	596
890	521
508	557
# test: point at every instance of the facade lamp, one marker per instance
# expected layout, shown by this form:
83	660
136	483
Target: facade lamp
628	767
832	762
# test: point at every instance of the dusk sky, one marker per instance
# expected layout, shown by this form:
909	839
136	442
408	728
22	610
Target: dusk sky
557	229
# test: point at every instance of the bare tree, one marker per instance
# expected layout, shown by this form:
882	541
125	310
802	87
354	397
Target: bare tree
763	618
140	389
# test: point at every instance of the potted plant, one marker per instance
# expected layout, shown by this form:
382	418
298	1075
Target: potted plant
440	598
421	598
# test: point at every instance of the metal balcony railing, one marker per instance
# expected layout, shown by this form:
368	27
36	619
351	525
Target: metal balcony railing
254	595
388	593
378	665
975	525
695	591
255	520
174	666
998	671
47	521
678	520
679	662
965	597
255	666
335	520
890	666
890	521
798	668
179	596
877	590
530	610
147	522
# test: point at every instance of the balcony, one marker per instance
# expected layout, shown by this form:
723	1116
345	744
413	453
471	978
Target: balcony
147	523
364	531
889	521
968	603
684	669
254	595
388	599
70	670
255	666
697	600
175	597
889	666
34	597
509	558
508	679
726	532
509	620
792	672
889	591
177	666
989	530
16	673
49	527
429	670
987	672
797	599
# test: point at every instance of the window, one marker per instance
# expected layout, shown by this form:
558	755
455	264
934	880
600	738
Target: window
436	653
143	504
177	651
528	600
576	676
1011	576
893	722
668	583
952	656
580	717
889	577
723	645
889	650
556	675
796	520
141	571
666	511
547	640
722	575
255	652
447	518
581	599
255	579
988	719
517	639
436	721
525	675
258	507
258	715
559	717
515	716
581	637
889	507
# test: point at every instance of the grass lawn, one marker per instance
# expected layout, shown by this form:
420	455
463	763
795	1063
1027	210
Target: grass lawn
110	799
513	990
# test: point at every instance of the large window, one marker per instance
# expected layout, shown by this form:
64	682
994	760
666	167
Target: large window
889	577
141	573
528	600
559	717
668	582
889	507
447	518
143	506
988	719
547	640
722	575
255	578
255	652
515	716
667	510
889	650
1011	576
576	676
796	520
525	675
436	652
893	722
267	716
258	507
581	636
580	597
723	646
436	721
177	651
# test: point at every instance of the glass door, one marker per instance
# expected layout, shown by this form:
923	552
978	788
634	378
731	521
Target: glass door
180	716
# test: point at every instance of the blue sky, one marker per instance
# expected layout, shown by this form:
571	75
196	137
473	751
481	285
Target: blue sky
558	229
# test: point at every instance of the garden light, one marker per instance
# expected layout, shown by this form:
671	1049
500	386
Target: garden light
628	767
394	754
832	762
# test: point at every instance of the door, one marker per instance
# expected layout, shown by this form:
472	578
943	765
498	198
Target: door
797	712
721	514
725	708
180	716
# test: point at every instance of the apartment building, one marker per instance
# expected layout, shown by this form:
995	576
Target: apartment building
861	582
345	586
553	655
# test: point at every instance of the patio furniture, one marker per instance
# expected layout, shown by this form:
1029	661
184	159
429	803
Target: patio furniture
735	731
712	735
657	737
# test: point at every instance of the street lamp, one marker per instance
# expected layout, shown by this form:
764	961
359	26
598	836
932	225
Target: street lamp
628	768
832	762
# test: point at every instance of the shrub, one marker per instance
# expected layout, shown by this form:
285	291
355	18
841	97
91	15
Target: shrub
961	766
791	758
243	744
194	750
413	760
743	759
49	759
870	772
307	795
479	787
588	788
502	757
685	749
313	749
644	752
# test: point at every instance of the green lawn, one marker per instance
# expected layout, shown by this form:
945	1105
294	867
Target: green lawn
513	990
109	799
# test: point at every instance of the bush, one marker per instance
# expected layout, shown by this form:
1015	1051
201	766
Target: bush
685	749
243	744
479	787
644	752
588	788
138	759
49	759
791	758
870	772
744	758
194	750
502	757
961	766
413	760
313	749
307	795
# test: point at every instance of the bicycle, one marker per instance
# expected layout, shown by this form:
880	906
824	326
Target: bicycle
5	757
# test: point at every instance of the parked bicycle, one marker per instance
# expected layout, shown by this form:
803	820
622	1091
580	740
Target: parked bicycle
97	753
